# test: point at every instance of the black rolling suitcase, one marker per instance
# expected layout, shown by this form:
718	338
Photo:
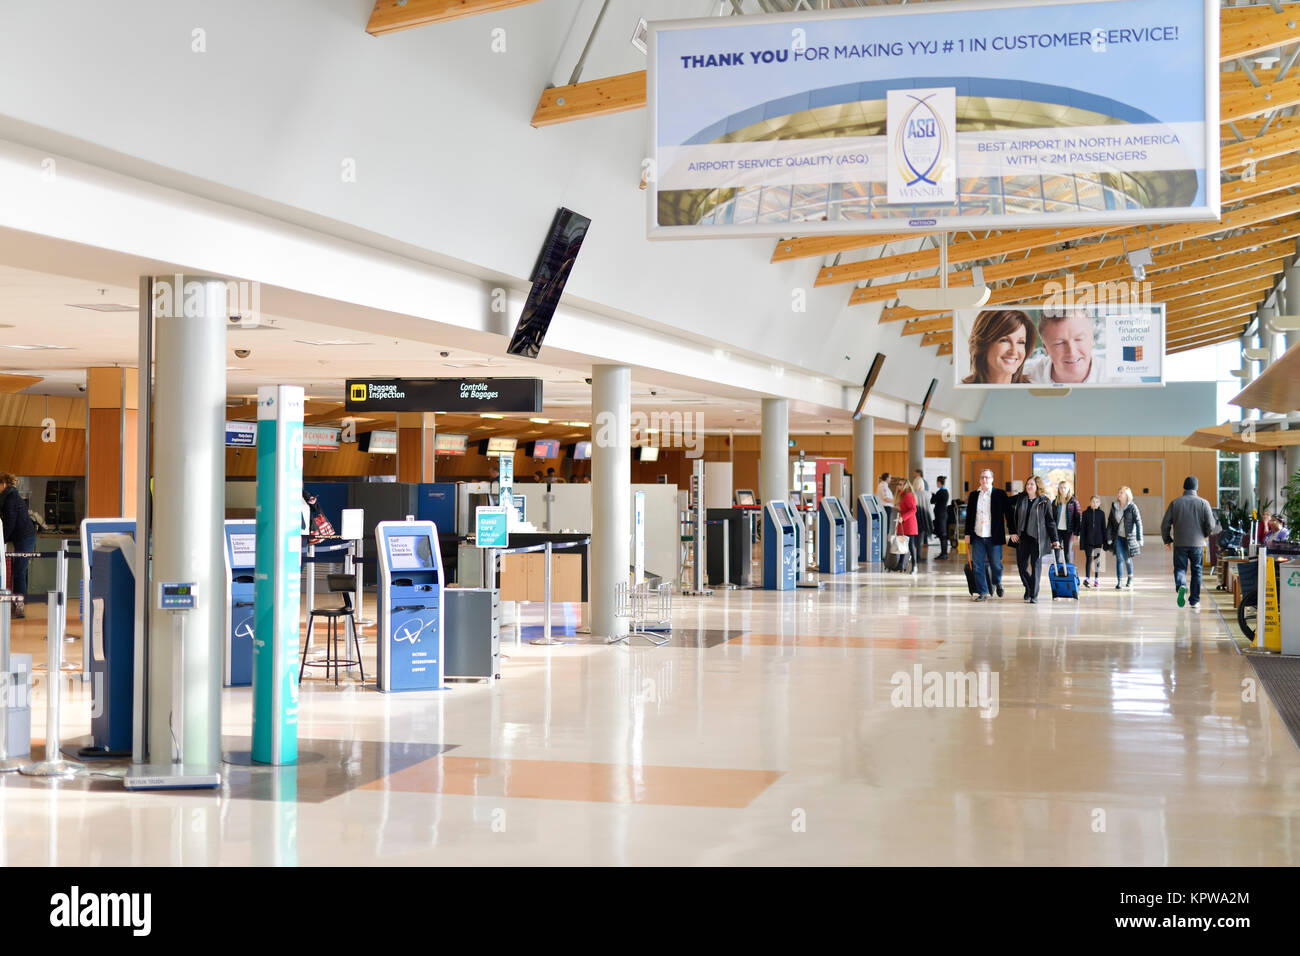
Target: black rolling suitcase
970	577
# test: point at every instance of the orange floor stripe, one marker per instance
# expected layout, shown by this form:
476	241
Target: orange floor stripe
837	640
588	782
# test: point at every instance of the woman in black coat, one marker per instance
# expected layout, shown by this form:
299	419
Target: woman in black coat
1092	540
1034	534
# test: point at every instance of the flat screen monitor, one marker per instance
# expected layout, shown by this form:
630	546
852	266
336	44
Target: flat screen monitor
782	515
554	263
581	450
546	448
98	536
745	497
448	444
872	374
500	446
925	405
833	504
410	552
243	549
647	453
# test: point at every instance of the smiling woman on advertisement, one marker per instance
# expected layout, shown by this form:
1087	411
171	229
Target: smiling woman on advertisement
1000	341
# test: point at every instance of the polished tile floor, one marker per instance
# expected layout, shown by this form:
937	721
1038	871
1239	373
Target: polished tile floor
775	728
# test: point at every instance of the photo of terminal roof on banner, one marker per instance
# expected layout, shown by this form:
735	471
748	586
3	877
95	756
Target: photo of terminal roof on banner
956	115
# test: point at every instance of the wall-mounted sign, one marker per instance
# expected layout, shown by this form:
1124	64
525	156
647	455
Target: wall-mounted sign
378	442
320	438
448	444
241	434
986	442
444	395
985	114
498	446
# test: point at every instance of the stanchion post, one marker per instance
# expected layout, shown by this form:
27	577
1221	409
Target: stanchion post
53	765
61	584
7	764
546	595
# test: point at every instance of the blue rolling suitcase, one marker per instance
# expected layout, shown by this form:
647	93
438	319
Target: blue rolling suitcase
1064	579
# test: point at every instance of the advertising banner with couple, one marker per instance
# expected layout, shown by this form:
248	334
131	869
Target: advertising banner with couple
1035	346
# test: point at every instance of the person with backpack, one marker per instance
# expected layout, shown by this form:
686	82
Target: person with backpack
1124	536
1092	541
20	531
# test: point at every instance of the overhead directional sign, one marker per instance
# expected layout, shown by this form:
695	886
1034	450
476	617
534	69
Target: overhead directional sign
444	395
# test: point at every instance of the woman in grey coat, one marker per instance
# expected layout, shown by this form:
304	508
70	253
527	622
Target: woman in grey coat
1124	536
1034	534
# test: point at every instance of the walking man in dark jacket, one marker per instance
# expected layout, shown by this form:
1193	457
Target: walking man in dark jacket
1187	525
20	531
987	511
939	504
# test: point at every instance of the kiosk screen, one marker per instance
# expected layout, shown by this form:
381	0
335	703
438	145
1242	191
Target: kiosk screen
409	552
834	505
782	515
243	550
98	536
744	497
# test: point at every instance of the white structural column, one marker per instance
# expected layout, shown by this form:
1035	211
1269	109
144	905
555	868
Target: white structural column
1291	299
915	451
189	505
611	494
864	457
1268	458
1247	467
954	469
774	466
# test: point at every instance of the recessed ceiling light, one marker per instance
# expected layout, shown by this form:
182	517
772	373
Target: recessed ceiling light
540	421
324	342
39	348
103	306
489	415
578	424
236	368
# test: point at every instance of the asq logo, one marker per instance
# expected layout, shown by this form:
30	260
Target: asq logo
922	130
357	392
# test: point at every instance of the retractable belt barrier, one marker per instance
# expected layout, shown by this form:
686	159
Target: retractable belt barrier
547	547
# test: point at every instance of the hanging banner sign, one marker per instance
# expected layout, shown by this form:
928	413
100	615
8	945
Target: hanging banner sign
953	116
444	395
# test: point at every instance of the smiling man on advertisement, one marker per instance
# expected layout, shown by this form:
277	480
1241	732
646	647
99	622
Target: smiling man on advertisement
1068	338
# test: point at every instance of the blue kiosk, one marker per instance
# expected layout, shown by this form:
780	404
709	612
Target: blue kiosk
110	647
93	531
832	536
410	630
779	547
871	530
241	558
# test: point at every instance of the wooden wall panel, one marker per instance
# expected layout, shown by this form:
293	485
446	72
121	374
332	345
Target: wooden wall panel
104	482
23	453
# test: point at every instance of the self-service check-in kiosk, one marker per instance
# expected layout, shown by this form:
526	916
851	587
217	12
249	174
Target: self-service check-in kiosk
241	558
110	648
93	531
871	530
832	536
411	581
779	547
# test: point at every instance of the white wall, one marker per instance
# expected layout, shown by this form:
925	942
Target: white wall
445	159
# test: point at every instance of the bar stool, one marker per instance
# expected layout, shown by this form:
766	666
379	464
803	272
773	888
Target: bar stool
338	584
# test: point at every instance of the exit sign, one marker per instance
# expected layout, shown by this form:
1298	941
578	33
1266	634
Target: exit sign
1030	442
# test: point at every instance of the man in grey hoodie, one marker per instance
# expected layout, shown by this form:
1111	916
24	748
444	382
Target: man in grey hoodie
1187	525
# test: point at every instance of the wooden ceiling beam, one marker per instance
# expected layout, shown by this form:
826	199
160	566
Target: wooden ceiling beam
611	94
1049	263
925	326
1255	285
810	246
1186	328
1247	30
1008	243
1226	337
899	313
1219	332
391	16
1199	313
